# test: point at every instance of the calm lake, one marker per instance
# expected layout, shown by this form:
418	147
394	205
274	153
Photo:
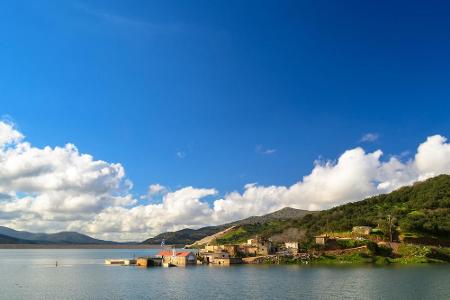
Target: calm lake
81	274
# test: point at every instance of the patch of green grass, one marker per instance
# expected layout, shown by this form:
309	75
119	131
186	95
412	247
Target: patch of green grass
234	236
356	258
411	260
410	251
417	254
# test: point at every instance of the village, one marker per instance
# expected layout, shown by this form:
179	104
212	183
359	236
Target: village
259	250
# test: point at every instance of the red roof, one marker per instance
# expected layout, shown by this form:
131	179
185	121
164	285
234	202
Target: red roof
170	253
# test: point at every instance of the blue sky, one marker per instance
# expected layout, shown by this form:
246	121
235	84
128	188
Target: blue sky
218	94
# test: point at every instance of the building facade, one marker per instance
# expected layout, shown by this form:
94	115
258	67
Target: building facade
178	258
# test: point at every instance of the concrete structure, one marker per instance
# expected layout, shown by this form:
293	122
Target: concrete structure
364	230
253	247
251	242
256	246
232	250
213	248
120	262
322	239
264	246
292	247
248	249
228	261
148	262
210	258
177	258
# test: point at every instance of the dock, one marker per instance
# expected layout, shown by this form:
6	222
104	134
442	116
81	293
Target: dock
120	262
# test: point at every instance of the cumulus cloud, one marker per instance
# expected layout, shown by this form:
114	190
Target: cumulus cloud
433	156
59	188
180	209
58	185
369	137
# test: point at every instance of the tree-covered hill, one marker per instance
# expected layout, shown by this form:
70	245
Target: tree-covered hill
423	209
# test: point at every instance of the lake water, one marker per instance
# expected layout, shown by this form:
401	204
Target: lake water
81	274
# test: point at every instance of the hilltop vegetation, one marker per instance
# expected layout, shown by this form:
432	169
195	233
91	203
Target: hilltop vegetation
420	210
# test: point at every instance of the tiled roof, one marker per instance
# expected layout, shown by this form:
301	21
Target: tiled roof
170	253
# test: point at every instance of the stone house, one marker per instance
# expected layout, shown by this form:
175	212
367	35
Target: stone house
258	246
292	247
232	250
213	248
212	258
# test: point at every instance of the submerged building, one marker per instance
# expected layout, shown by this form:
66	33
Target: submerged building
177	258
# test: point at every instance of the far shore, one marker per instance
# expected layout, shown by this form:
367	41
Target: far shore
79	246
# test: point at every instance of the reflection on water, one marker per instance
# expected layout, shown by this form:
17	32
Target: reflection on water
81	274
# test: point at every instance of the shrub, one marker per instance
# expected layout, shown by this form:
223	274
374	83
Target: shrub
384	251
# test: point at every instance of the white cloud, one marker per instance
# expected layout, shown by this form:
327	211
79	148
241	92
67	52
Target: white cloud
50	189
180	209
433	156
155	190
55	184
265	151
8	134
369	137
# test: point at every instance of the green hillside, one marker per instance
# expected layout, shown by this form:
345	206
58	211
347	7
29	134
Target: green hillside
421	210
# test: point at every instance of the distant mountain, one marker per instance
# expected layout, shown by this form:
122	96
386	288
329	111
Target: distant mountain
65	237
189	236
4	239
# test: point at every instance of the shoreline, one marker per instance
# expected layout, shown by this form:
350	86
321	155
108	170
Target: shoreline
78	246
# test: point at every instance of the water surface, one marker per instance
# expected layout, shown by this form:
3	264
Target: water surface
81	274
